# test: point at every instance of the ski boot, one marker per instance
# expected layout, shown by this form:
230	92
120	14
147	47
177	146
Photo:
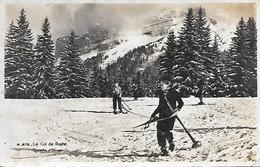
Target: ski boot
114	112
124	112
171	147
201	103
164	152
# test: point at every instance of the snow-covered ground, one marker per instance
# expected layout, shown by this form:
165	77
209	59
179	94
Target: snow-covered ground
86	130
89	55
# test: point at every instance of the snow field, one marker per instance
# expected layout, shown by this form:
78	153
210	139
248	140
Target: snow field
92	133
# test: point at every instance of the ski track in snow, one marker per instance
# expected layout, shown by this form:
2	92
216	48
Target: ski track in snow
224	126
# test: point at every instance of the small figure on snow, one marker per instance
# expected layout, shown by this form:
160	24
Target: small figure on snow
200	91
117	94
166	93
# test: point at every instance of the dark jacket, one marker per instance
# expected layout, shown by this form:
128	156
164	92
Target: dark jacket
163	109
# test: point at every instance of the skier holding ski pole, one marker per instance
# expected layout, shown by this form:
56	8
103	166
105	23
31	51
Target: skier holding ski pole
117	94
166	95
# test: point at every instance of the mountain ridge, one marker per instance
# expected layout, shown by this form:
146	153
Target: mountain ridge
111	45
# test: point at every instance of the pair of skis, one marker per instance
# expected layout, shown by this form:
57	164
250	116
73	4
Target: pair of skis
126	104
126	109
156	119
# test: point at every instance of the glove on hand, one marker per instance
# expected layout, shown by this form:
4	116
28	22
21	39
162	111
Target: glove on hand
153	117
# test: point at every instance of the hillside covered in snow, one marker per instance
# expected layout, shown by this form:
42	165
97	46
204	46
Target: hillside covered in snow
114	44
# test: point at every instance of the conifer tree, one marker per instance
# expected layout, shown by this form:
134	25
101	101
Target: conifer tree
44	63
104	85
24	85
202	29
164	67
171	63
95	82
150	79
137	80
72	79
125	84
186	51
217	87
187	36
166	60
203	61
237	61
11	58
251	57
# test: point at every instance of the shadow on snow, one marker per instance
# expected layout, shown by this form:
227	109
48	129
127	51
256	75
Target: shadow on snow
197	129
90	111
111	154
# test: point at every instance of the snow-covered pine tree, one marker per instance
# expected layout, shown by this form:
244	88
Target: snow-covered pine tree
164	67
111	78
104	85
11	58
137	80
25	61
203	60
186	50
251	41
108	87
125	84
218	84
165	60
202	29
44	63
251	57
72	79
150	80
171	63
236	66
95	81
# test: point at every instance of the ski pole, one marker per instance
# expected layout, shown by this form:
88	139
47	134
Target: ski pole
147	126
193	140
195	143
126	104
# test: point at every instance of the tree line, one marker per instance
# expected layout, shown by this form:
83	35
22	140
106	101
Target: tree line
32	71
193	57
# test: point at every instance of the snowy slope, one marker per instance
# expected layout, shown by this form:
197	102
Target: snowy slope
168	21
156	28
92	133
89	55
129	41
224	34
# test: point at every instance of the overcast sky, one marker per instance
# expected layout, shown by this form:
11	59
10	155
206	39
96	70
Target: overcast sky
65	17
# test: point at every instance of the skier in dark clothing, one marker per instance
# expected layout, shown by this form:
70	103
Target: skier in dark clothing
164	127
117	94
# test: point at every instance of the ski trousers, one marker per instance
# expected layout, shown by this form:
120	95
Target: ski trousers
162	136
117	100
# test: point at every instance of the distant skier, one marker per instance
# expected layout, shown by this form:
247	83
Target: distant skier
164	127
200	91
117	94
